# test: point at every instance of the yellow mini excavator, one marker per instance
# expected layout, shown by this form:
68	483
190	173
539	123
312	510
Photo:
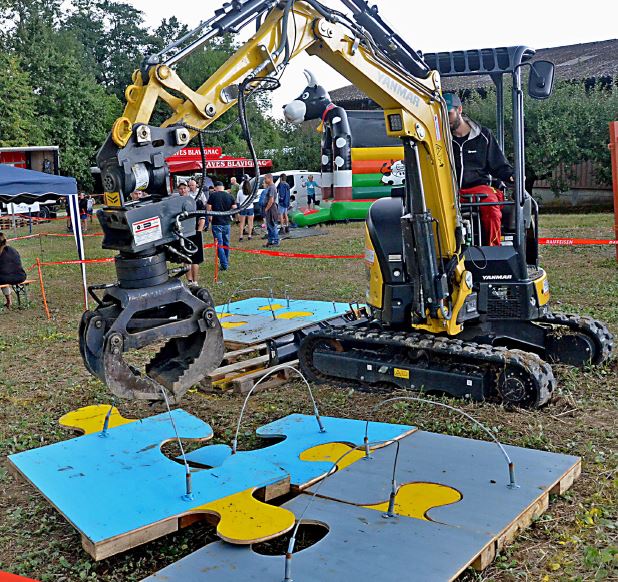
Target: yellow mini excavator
445	313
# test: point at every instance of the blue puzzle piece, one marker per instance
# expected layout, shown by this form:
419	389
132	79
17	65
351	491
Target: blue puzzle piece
320	310
110	486
217	454
251	320
301	432
122	486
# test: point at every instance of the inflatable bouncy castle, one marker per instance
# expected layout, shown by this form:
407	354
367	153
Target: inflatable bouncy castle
360	163
376	158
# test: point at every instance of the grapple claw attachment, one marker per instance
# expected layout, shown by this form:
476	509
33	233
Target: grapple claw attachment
134	319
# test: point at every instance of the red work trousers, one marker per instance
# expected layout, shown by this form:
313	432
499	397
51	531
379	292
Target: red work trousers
491	216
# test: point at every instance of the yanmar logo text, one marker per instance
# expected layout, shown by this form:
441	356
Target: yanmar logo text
399	89
497	277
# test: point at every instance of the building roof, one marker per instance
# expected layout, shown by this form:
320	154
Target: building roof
591	60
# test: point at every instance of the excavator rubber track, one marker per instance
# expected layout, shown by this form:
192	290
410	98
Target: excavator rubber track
366	354
596	333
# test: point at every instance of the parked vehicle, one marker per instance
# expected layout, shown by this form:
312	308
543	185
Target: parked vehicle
297	180
41	159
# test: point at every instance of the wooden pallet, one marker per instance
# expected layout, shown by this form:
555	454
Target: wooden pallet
238	353
242	368
236	346
245	383
7	223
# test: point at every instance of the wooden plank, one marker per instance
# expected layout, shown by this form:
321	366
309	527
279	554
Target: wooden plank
232	345
130	540
245	383
236	367
485	558
567	480
26	282
236	355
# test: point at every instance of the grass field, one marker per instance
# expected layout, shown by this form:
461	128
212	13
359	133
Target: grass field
42	377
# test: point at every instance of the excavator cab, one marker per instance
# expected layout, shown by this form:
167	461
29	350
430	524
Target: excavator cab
513	291
519	209
509	303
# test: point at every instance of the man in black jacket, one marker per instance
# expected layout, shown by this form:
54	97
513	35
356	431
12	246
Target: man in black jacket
479	164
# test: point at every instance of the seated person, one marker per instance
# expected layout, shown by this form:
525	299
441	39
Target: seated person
478	161
11	270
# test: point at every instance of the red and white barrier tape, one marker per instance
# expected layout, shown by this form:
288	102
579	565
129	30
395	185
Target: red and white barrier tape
542	241
286	254
567	242
57	234
77	262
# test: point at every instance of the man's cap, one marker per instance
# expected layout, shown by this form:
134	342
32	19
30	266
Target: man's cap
452	100
218	183
182	182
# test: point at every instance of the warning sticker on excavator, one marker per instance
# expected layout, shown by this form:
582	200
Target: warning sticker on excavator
112	199
400	373
148	230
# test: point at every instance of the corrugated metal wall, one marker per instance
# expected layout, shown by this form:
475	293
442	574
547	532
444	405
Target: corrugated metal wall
581	175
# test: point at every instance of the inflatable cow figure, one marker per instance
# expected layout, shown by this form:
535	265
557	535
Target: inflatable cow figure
314	103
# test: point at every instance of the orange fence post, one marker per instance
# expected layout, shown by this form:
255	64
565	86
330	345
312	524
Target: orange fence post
613	148
38	266
216	260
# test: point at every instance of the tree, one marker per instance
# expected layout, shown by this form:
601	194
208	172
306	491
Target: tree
18	123
170	30
73	111
86	21
299	148
568	128
127	40
114	40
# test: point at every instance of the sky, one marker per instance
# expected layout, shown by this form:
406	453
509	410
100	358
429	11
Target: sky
450	25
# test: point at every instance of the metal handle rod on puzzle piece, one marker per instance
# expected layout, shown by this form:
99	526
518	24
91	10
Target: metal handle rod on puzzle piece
512	483
188	495
316	412
237	294
238	290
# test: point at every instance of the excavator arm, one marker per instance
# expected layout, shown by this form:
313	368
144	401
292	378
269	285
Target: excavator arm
372	57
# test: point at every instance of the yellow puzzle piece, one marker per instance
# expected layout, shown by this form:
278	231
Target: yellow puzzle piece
273	307
232	324
245	520
89	419
412	499
294	314
416	499
330	452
